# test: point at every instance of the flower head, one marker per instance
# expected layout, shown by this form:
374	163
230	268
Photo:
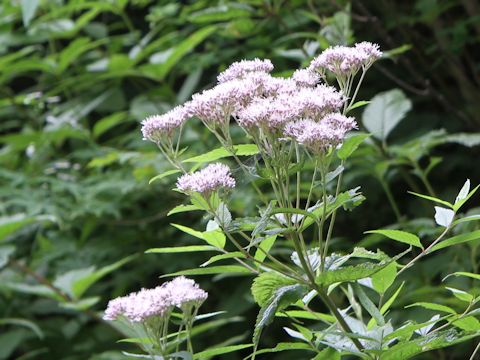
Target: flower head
319	136
239	69
156	127
344	60
215	106
306	77
268	113
207	180
185	292
318	101
157	302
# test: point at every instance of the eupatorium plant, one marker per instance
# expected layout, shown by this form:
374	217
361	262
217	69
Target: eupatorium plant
301	135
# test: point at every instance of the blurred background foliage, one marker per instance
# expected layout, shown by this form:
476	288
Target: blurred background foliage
77	212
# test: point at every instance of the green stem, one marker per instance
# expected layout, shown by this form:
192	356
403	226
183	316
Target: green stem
391	199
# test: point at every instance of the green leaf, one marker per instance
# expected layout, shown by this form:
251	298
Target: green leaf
351	144
28	10
463	273
108	122
466	219
231	255
219	153
10	224
459	239
461	295
401	236
215	237
383	279
24	323
162	175
350	273
286	346
264	248
5	253
182	49
281	298
369	305
221	350
358	104
432	306
82	285
181	249
468	323
433	199
265	285
222	269
384	112
183	208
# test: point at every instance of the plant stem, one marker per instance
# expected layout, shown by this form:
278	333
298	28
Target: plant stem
391	199
425	251
333	309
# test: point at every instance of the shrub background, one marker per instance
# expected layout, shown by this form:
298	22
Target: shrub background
76	77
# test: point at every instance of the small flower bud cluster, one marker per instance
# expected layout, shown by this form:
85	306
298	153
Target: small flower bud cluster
346	61
147	303
212	178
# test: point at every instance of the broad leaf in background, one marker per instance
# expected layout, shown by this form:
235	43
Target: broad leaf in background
384	113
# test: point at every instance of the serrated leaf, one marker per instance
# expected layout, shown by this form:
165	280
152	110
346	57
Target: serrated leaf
351	144
349	273
162	175
219	153
264	248
459	239
432	306
223	269
265	285
221	350
433	199
181	249
183	208
461	295
401	236
463	273
383	279
281	298
215	237
232	255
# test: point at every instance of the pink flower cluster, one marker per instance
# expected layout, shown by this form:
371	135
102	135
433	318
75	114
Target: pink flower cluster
205	181
155	128
240	69
140	306
346	61
319	136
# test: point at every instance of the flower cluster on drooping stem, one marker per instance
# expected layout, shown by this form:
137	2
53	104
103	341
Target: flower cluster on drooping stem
152	309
